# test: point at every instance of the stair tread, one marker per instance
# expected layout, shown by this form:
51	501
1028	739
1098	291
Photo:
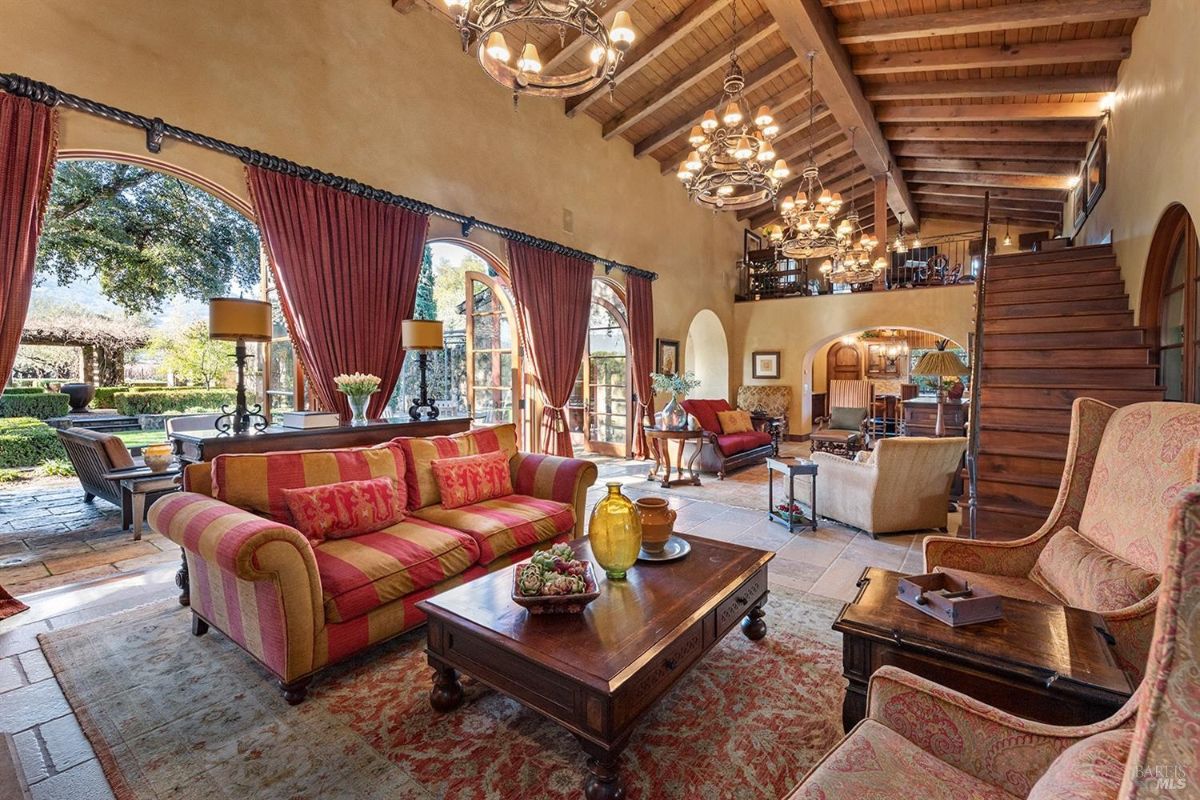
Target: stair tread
1027	348
1023	427
986	450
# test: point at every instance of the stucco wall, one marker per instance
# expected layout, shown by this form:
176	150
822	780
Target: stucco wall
354	88
1153	138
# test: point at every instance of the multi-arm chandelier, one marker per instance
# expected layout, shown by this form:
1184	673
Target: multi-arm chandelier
485	26
732	164
851	263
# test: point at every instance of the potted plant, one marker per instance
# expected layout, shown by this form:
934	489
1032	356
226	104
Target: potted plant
358	389
674	418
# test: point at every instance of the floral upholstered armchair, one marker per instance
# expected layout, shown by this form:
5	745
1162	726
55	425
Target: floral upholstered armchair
1101	547
923	740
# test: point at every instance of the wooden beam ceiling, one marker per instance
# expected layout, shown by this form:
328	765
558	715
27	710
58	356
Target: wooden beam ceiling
1047	196
1063	169
1049	182
807	26
990	112
834	160
822	132
992	87
962	212
994	18
1046	132
1037	151
575	42
1002	56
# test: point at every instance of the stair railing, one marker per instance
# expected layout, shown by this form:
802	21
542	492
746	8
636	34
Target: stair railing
976	374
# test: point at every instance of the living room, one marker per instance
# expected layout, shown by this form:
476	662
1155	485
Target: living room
705	425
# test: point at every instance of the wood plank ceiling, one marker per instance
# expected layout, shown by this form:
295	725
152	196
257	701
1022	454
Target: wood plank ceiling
968	95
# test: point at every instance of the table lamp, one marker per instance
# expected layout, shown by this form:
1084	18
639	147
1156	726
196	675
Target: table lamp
422	335
237	320
940	363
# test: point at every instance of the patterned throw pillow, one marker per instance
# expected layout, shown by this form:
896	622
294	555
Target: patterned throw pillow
735	421
472	479
349	508
1084	576
422	452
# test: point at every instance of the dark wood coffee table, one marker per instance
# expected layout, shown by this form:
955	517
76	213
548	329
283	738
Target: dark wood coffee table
597	673
1047	663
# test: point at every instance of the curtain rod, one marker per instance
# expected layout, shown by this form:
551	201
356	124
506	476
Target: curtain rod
156	130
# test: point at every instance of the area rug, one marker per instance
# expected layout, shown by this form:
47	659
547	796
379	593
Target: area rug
10	605
193	718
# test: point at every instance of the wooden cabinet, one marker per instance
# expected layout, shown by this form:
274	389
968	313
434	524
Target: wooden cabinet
920	416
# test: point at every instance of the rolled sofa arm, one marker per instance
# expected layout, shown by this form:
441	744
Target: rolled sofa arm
565	480
253	578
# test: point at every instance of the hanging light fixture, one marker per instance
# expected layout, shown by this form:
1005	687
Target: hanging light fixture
899	246
850	262
1007	238
486	24
732	164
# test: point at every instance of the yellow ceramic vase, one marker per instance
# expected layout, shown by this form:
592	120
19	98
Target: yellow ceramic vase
615	532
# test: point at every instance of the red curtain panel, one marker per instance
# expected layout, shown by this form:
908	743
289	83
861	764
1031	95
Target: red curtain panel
639	300
28	139
346	268
554	295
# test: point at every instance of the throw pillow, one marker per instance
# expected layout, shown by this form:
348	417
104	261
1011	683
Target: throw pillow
349	508
472	479
1085	576
847	419
735	421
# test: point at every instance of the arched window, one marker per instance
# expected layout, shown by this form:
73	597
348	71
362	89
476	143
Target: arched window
1171	303
598	412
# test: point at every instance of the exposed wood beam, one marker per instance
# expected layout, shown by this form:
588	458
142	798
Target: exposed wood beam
554	62
717	59
1045	132
998	203
992	87
991	18
986	150
1051	182
1050	197
755	80
1063	169
1076	51
961	212
989	112
651	47
807	26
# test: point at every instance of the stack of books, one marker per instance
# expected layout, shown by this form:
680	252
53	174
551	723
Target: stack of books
307	419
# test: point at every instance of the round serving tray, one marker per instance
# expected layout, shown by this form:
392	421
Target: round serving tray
675	548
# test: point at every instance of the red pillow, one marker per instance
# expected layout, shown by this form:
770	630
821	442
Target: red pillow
349	508
472	479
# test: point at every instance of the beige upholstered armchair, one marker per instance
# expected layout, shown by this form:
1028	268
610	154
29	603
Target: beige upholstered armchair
902	485
1101	547
837	433
923	740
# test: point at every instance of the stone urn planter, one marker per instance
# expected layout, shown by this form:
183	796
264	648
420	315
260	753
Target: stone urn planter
79	395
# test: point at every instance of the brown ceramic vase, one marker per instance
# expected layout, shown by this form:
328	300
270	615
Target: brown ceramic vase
658	520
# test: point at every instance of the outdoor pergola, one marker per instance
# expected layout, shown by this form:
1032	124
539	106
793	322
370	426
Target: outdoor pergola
102	344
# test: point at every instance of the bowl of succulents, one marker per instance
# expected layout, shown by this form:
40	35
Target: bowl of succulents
554	581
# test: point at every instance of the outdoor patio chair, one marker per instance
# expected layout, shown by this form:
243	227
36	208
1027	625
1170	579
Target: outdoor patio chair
94	454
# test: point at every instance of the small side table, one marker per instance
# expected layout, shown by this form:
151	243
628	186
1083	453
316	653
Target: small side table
772	425
790	469
136	484
660	441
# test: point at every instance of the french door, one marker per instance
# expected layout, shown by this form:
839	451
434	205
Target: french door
493	352
598	414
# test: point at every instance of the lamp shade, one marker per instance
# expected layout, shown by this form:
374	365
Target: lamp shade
940	362
234	318
421	334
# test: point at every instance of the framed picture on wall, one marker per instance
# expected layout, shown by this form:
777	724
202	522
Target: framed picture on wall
666	359
1079	201
765	364
751	241
1095	170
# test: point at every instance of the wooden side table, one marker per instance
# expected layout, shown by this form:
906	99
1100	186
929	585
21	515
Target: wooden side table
772	425
136	484
659	443
790	469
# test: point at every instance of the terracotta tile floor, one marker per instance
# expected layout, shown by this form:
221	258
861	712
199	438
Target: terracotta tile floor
69	562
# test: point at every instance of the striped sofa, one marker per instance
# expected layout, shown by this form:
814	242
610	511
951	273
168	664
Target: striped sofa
297	607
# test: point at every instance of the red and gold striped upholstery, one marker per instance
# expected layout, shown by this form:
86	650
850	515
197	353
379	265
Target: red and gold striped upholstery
555	478
506	523
421	453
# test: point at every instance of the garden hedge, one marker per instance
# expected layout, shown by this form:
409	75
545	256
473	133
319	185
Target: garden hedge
164	400
104	396
38	406
27	442
24	390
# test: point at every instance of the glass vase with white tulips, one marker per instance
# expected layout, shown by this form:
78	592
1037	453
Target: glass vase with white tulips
358	388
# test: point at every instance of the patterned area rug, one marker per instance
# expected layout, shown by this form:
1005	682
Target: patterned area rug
175	716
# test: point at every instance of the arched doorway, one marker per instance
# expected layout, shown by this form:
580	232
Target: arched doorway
598	412
706	355
1171	303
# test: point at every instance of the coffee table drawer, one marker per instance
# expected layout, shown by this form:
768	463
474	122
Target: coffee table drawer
657	675
738	604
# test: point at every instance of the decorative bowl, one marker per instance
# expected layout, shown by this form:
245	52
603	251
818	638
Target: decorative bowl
558	603
157	457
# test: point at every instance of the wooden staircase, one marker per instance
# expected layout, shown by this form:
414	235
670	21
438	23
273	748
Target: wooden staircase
1056	326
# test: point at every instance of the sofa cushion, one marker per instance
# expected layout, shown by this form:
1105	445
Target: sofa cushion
1085	576
847	419
705	412
736	421
255	481
1090	769
363	572
350	508
1005	585
420	453
472	479
506	523
732	443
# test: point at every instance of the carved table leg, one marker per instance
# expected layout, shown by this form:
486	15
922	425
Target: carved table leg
753	625
181	579
199	626
654	451
604	779
295	692
447	692
692	461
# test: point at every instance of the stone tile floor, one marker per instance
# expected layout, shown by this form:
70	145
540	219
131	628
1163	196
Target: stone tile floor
70	564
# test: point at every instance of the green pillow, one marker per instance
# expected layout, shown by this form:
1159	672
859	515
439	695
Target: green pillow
847	419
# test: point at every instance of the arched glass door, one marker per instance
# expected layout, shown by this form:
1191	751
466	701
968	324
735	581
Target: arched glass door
598	414
493	354
1174	265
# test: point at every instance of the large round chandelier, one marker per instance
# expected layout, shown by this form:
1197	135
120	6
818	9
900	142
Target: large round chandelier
732	164
486	24
851	262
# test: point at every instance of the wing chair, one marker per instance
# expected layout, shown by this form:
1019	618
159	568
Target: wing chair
901	485
844	437
1101	547
923	740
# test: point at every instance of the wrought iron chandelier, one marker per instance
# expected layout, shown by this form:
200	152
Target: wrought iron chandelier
732	164
485	25
851	261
